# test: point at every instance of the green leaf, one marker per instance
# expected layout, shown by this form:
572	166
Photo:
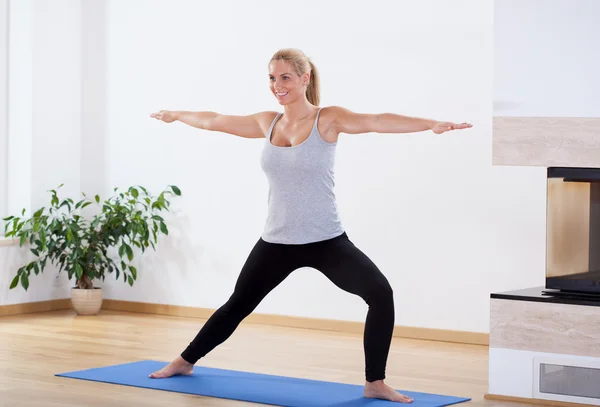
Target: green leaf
65	203
78	270
130	280
176	190
122	250
23	239
133	272
129	252
97	198
25	281
43	239
15	281
163	228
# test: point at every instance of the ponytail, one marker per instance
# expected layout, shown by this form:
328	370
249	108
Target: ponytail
313	88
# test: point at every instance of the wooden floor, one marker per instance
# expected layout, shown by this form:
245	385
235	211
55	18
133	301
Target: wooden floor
36	346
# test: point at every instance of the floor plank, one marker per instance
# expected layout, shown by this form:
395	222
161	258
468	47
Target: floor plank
36	346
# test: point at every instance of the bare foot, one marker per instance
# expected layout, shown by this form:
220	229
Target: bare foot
176	367
380	390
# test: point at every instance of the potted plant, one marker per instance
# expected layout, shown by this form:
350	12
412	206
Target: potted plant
62	235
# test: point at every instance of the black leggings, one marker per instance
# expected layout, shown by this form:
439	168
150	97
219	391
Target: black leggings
340	261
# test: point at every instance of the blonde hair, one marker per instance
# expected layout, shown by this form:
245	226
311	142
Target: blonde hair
302	64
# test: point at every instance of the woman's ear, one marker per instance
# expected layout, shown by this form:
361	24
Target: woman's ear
306	79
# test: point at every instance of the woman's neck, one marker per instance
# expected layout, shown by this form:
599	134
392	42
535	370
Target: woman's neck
298	111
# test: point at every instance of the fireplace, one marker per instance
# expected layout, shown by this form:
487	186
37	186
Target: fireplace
573	231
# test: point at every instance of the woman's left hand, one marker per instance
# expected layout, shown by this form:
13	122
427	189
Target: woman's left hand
441	127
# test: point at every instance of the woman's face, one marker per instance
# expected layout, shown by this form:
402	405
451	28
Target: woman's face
285	84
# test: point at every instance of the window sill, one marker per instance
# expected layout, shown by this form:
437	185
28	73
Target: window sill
8	241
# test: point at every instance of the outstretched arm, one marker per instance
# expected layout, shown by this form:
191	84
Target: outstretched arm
346	121
251	126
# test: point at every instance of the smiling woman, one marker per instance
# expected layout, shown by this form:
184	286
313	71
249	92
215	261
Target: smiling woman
303	227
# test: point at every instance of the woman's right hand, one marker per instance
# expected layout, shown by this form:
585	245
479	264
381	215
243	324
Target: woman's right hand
166	116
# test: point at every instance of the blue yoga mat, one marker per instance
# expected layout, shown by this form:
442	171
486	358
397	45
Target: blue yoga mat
251	387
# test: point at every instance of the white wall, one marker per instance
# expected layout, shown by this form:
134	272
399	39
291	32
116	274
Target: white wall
93	96
45	124
546	58
20	112
443	224
3	109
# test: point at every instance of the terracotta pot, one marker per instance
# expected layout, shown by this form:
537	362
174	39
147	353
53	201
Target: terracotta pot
86	301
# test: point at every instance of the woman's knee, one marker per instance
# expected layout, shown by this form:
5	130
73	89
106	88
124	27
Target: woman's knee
380	293
239	306
387	293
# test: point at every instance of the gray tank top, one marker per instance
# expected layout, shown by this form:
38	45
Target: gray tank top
301	201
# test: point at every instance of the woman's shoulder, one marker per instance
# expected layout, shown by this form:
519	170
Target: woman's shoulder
330	115
265	119
333	112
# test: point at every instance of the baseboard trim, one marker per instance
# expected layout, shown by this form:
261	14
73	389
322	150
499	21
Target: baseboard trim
8	241
37	306
473	338
499	397
441	335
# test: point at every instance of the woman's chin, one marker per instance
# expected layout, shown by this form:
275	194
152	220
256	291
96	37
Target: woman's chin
283	100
